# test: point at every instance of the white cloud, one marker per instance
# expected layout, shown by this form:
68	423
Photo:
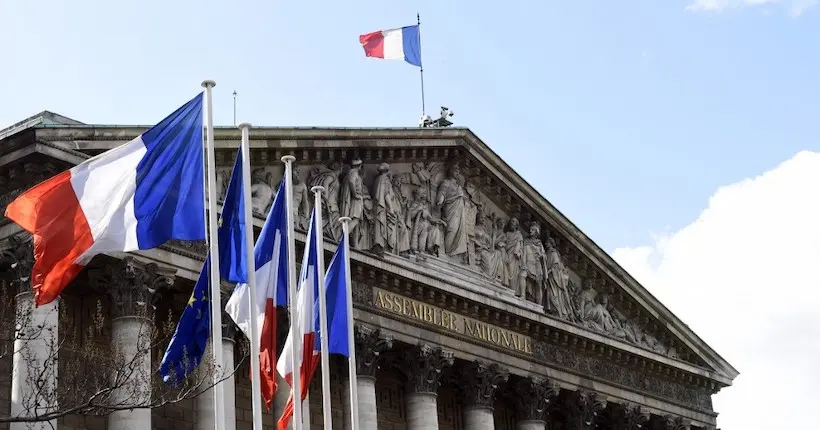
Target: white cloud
745	276
796	7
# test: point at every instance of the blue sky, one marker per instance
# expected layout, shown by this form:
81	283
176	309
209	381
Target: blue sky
625	103
634	118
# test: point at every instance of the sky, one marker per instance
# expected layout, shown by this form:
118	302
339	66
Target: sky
680	135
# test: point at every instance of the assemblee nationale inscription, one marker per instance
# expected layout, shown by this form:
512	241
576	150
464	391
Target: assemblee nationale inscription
450	321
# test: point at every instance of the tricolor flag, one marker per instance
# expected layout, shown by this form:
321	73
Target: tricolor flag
396	44
307	324
270	256
134	197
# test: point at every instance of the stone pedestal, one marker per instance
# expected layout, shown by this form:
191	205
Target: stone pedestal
423	365
370	344
479	383
32	361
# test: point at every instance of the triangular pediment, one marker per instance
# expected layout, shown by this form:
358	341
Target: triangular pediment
442	201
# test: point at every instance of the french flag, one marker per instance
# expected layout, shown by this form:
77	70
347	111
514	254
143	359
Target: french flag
271	262
307	321
134	197
396	44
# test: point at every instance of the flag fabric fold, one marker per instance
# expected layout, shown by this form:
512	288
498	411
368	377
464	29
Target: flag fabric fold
395	44
134	197
189	342
270	256
306	310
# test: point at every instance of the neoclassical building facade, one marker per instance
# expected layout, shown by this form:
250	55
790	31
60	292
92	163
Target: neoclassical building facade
478	305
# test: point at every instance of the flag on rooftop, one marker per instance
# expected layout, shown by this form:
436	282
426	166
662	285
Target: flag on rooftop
395	44
134	197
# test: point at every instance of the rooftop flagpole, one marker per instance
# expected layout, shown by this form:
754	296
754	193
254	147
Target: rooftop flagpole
421	66
213	243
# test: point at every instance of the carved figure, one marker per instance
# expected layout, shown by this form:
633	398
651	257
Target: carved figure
425	234
559	301
403	229
420	177
514	243
301	200
328	177
488	256
354	200
261	191
451	197
386	212
534	266
222	179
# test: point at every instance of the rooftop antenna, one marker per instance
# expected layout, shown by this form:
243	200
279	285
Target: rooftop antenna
234	108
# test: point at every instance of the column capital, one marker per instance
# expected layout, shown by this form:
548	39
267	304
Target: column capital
583	408
672	422
533	396
131	285
423	365
628	416
480	381
370	344
17	258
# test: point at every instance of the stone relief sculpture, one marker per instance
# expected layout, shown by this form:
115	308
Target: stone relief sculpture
430	210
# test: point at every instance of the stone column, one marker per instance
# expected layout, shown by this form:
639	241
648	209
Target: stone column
582	409
627	416
370	344
34	361
532	398
423	365
205	401
479	383
131	284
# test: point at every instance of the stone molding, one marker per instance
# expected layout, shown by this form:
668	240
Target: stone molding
533	396
480	381
370	344
131	284
423	365
582	409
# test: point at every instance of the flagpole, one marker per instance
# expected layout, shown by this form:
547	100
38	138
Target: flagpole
320	263
296	351
256	385
421	67
213	243
351	341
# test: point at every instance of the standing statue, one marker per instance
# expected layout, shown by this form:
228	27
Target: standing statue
533	266
421	177
425	233
354	197
451	197
386	212
402	228
514	244
261	191
222	179
328	177
559	301
488	256
301	200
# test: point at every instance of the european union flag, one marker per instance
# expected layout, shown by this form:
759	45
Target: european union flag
189	343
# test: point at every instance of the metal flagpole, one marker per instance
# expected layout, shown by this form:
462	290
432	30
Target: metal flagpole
351	341
421	65
294	317
213	242
256	386
234	111
323	329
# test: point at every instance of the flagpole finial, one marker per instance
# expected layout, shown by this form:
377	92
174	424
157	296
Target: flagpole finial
244	125
287	159
345	219
317	189
208	83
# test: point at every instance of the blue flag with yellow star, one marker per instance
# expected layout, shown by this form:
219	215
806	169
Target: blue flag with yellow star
189	343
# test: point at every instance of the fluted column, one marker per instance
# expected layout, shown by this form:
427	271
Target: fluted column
532	397
370	344
34	374
205	401
479	383
130	284
423	365
582	409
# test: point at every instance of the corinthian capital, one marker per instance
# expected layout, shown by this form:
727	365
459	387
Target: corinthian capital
628	416
370	344
480	381
533	396
583	408
131	285
17	259
423	365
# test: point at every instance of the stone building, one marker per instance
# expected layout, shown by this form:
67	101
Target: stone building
478	305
